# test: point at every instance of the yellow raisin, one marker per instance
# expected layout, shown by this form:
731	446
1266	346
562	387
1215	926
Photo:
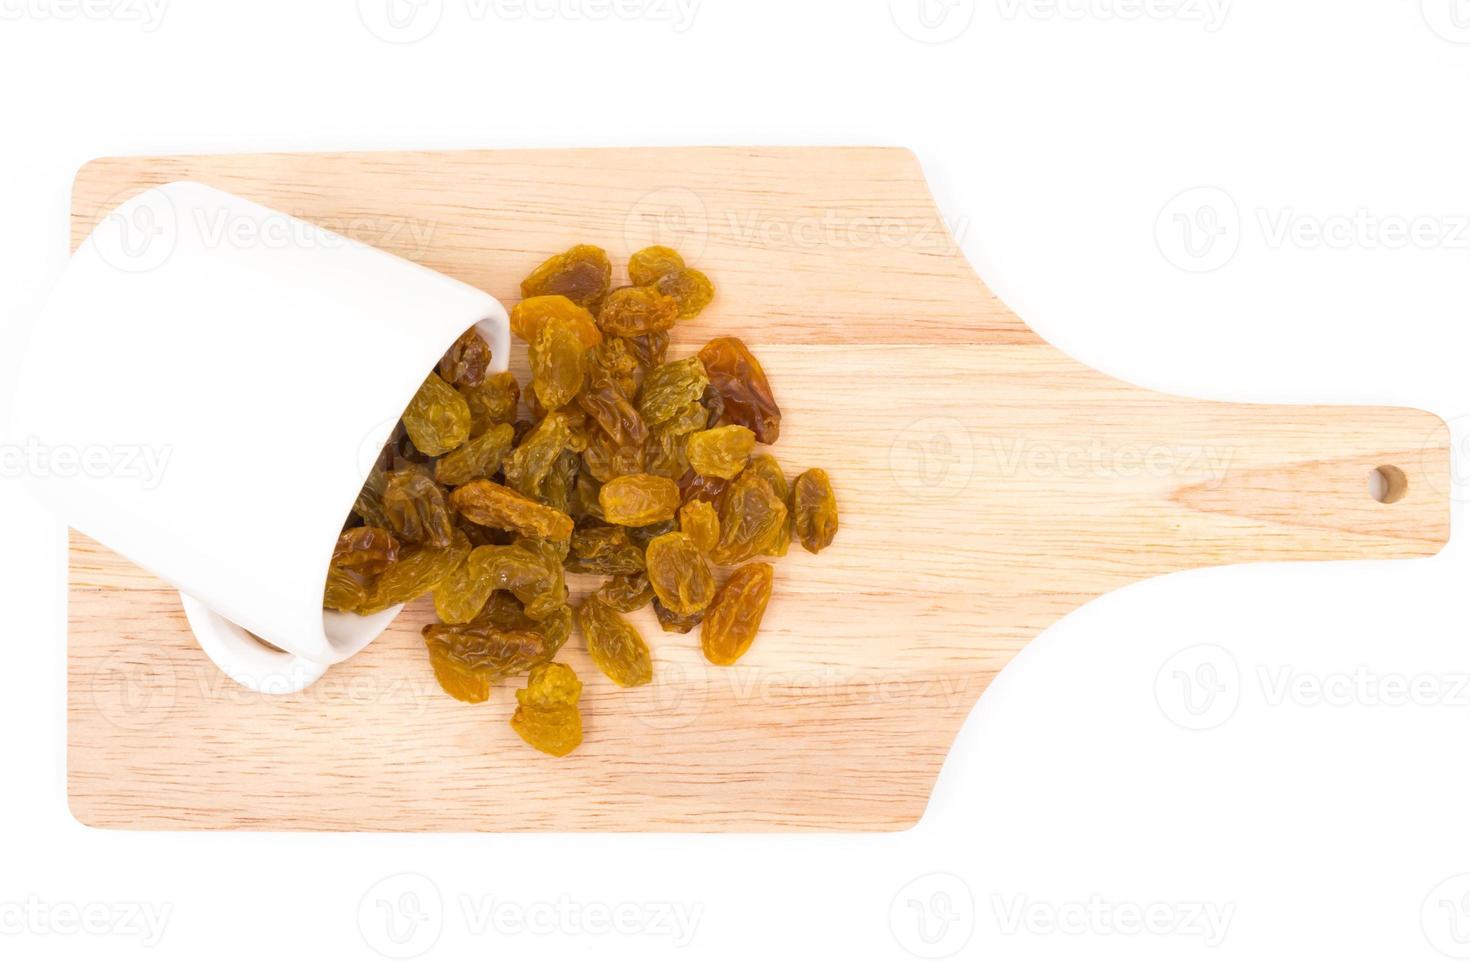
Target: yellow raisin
735	615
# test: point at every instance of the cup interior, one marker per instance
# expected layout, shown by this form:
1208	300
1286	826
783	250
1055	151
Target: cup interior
348	633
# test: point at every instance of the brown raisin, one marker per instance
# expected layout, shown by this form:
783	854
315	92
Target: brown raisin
492	401
679	573
467	360
636	310
438	418
701	522
582	274
735	615
415	508
468	659
556	365
744	390
751	520
369	550
493	505
671	622
626	593
605	550
722	451
547	717
478	459
816	510
347	588
664	269
638	500
606	401
529	316
614	645
416	572
670	388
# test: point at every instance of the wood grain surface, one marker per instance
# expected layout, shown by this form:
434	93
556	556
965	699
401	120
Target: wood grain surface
989	485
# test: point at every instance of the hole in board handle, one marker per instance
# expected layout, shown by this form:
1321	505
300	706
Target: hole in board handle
1387	484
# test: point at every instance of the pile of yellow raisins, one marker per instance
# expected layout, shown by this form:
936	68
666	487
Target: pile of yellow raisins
624	465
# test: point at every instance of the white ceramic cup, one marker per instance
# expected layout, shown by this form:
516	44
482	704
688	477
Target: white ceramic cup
205	392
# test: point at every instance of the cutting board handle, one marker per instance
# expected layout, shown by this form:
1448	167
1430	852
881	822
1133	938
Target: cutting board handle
1262	483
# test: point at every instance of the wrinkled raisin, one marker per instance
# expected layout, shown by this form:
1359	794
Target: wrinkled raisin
752	518
626	593
556	365
467	660
638	500
816	510
701	522
467	361
493	505
492	401
636	310
735	615
582	274
369	550
438	418
664	269
722	451
679	573
547	717
478	459
614	645
416	510
744	390
416	572
529	316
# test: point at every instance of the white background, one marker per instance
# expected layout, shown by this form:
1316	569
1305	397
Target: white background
1317	828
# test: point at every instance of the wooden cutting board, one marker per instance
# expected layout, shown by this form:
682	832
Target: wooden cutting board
989	485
